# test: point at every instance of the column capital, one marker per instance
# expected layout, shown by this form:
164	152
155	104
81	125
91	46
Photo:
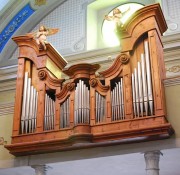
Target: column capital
152	162
41	169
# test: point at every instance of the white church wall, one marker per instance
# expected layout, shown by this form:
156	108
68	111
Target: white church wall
172	15
70	17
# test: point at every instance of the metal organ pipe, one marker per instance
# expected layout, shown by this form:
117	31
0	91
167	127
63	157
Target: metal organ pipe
136	91
142	86
144	80
76	105
117	102
112	104
81	113
100	108
122	99
116	105
49	113
29	106
149	84
140	89
23	115
87	106
134	95
35	110
65	113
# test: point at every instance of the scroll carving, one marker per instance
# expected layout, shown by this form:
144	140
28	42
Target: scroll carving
93	82
70	86
42	75
124	58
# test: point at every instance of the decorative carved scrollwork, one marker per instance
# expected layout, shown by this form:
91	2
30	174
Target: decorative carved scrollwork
93	82
42	74
70	86
174	69
80	45
124	58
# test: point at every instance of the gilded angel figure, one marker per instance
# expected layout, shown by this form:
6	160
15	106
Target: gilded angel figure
40	36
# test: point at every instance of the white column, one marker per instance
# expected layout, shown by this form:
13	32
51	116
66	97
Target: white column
152	162
41	169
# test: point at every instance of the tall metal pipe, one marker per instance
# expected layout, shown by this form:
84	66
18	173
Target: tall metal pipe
122	98
24	102
144	80
149	83
137	91
134	95
140	88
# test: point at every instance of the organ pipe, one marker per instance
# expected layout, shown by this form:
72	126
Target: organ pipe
49	114
100	108
65	112
81	103
149	84
29	106
142	86
117	101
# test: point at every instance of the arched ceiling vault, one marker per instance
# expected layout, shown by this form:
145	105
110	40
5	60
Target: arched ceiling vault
17	18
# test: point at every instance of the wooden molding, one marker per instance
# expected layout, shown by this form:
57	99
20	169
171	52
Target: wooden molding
83	70
134	129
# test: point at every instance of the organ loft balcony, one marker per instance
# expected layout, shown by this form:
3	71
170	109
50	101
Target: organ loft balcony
125	103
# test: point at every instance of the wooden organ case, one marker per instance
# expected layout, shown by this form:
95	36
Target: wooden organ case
124	103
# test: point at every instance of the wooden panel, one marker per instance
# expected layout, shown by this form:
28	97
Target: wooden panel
18	96
155	68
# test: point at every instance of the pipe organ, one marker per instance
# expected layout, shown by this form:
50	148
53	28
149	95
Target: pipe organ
123	103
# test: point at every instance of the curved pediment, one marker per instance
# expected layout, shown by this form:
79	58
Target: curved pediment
142	21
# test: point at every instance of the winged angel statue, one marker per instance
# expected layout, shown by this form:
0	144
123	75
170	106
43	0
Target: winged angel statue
116	17
40	36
